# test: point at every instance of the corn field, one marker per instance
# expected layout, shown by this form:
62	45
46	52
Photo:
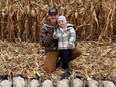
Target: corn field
21	20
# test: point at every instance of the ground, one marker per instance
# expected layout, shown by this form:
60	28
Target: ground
98	60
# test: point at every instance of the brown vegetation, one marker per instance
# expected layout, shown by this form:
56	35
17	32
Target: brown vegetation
98	60
22	20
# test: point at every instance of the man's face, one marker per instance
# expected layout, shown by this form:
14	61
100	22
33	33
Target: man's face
53	18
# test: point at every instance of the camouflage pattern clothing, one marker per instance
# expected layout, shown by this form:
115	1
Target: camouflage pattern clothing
46	36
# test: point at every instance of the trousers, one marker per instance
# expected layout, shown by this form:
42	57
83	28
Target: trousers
52	57
65	57
51	60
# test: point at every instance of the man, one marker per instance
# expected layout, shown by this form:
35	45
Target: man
47	41
50	44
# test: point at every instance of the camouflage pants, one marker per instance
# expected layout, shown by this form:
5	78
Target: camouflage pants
52	57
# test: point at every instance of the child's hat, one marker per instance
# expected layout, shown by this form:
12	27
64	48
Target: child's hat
63	18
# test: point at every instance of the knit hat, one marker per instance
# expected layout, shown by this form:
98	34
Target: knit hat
63	18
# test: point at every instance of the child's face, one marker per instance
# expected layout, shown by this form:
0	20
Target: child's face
61	23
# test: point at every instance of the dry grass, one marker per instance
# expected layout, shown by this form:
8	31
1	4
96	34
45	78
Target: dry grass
98	60
94	19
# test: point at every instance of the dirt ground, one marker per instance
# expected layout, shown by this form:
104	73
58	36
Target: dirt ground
98	60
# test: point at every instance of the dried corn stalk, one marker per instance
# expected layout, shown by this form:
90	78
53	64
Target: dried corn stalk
96	18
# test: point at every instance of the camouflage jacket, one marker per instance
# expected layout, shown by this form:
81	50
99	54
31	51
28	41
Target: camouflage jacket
46	36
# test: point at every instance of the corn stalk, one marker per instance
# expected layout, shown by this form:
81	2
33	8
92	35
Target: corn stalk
94	19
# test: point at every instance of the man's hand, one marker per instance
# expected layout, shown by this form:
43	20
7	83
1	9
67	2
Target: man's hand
54	33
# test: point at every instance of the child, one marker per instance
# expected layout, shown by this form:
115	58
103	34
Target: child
66	36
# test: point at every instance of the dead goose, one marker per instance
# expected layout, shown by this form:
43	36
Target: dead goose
113	79
35	82
63	83
91	83
19	81
77	82
64	79
5	81
108	84
47	83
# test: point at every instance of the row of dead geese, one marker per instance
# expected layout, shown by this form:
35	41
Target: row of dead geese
64	80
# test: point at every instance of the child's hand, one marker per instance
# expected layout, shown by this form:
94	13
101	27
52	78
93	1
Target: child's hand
69	46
